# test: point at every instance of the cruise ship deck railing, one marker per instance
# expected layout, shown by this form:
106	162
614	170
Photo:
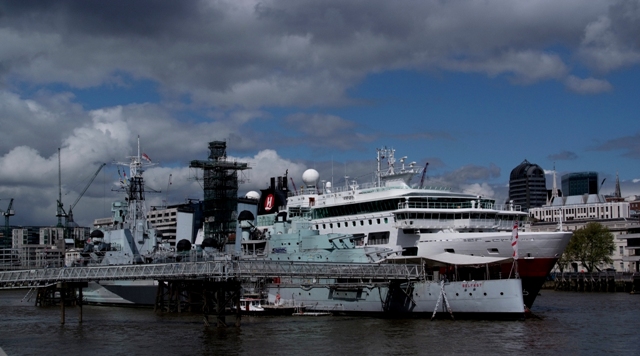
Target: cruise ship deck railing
363	188
211	270
456	205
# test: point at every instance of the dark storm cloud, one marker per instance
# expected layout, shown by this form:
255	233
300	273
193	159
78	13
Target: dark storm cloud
563	156
327	131
472	173
232	54
102	18
425	136
236	60
629	145
611	41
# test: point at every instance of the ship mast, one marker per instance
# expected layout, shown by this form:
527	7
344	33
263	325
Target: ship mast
134	187
554	191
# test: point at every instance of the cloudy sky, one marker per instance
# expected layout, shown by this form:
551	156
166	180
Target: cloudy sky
472	87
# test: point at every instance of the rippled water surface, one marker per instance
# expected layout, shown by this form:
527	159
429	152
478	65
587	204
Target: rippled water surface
568	323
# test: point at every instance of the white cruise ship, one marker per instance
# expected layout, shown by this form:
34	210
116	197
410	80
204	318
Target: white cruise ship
415	221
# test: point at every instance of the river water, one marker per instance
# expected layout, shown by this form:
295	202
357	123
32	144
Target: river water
567	323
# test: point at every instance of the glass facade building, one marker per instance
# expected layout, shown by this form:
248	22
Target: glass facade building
580	183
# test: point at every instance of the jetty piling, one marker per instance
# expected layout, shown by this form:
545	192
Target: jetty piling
213	286
607	282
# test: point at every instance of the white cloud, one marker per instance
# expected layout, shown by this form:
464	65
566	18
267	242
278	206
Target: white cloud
266	164
587	85
526	66
482	189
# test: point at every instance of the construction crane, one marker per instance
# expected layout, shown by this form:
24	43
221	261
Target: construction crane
7	228
69	216
424	173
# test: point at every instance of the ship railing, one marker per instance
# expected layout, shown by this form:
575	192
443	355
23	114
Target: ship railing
445	224
362	188
457	205
432	205
508	207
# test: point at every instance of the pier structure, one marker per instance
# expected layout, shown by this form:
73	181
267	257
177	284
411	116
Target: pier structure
595	282
213	287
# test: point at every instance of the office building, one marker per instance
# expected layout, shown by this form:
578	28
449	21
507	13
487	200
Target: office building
580	183
528	186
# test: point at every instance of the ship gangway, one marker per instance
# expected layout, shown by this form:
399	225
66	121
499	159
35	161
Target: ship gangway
211	270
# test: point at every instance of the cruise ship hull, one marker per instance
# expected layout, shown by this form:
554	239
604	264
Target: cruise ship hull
537	251
533	273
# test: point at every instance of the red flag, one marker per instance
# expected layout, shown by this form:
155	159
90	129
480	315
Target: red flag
514	240
144	155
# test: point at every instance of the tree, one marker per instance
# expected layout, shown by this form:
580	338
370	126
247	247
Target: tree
564	260
591	245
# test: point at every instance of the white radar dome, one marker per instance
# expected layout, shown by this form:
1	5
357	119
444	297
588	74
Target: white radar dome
252	195
328	185
310	177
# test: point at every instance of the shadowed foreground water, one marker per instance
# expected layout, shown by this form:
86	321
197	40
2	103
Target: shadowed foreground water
569	323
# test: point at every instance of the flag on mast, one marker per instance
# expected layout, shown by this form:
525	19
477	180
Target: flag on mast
514	240
144	155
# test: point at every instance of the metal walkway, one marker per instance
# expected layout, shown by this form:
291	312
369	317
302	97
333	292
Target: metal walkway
211	270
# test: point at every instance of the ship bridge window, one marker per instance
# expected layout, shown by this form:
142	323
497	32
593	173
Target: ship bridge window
378	238
450	250
493	251
370	222
361	222
378	221
353	223
386	220
410	251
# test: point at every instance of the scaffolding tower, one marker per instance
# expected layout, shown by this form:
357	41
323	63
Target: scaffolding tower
220	178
